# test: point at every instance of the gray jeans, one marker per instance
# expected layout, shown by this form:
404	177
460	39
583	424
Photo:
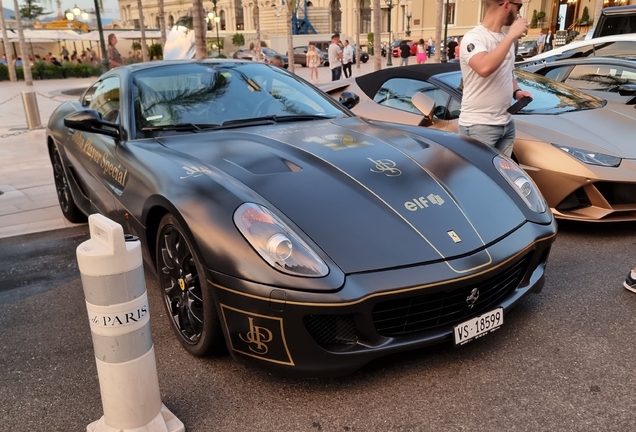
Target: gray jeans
500	137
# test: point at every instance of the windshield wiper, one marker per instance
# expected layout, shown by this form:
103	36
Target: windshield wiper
180	127
255	121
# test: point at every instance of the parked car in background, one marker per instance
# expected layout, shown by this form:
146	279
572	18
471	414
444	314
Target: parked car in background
574	145
268	54
616	20
300	56
364	56
613	79
606	46
395	47
527	49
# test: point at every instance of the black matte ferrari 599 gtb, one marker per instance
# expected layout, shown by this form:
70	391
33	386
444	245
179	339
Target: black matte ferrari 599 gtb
308	240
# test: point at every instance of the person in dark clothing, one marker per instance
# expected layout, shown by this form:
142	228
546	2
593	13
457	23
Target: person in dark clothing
451	48
405	53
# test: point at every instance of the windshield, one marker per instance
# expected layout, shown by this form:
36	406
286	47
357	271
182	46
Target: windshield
548	96
212	93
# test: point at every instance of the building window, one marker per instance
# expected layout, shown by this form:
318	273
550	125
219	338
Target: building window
482	10
365	16
170	21
240	22
222	15
336	16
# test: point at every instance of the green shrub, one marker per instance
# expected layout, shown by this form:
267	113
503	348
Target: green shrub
4	72
238	40
156	51
533	21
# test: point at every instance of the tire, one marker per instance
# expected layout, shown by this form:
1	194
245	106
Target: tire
64	196
364	60
187	297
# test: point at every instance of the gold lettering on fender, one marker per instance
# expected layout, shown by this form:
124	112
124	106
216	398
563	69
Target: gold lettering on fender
258	336
116	172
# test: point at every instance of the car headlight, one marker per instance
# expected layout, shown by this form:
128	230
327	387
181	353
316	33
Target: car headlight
276	243
521	183
591	158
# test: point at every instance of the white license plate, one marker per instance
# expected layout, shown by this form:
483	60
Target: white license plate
478	326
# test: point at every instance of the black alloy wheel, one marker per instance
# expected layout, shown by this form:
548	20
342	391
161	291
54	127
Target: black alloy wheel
62	187
186	294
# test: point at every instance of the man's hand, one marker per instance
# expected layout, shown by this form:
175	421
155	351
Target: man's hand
518	28
521	94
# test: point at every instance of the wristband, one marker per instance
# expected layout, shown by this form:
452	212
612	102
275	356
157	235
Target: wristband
514	93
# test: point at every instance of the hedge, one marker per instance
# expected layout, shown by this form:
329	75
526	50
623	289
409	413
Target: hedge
43	70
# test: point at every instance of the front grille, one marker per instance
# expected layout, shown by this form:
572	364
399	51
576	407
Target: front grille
429	312
332	330
617	193
576	200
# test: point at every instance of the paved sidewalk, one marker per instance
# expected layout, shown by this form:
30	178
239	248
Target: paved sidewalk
28	200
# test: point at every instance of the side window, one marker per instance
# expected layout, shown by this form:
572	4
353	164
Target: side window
397	93
86	98
601	77
615	49
557	73
105	100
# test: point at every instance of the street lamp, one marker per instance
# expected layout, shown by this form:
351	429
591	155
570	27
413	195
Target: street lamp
216	20
444	57
389	54
408	23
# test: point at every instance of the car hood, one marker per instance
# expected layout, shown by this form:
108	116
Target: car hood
605	130
371	197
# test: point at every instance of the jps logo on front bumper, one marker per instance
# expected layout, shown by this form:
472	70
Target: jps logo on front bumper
256	335
386	167
421	202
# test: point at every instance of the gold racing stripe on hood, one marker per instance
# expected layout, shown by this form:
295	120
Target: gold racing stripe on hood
398	181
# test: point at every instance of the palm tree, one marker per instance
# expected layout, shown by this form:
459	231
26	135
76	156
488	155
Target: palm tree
199	29
377	36
257	26
162	23
142	27
26	64
7	50
438	31
289	11
358	18
597	11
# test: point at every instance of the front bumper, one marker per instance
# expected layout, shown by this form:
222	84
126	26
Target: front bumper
373	314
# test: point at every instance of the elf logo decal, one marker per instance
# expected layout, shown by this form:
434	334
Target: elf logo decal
421	202
385	166
255	335
257	338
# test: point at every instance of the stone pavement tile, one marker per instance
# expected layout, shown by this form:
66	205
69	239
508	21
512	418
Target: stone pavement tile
32	227
25	217
8	209
8	196
40	190
29	182
32	203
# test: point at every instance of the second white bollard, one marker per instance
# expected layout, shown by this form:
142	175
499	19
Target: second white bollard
117	304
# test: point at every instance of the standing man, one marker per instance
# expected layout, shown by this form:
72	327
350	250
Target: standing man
429	46
451	48
335	57
405	53
549	41
540	43
347	59
65	53
113	55
487	60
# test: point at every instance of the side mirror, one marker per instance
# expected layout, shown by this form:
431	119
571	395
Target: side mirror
91	121
349	99
425	104
627	90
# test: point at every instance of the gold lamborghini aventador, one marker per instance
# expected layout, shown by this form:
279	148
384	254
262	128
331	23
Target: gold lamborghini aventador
579	149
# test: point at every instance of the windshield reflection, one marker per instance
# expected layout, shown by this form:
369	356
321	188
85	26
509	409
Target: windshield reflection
212	93
548	96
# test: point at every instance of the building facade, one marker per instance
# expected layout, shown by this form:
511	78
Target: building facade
414	17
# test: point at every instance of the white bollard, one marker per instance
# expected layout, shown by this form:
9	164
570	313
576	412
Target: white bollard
115	290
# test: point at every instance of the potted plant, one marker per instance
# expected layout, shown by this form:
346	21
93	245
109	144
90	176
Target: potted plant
540	18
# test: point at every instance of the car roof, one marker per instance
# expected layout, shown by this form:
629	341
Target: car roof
631	37
618	10
135	67
583	61
371	82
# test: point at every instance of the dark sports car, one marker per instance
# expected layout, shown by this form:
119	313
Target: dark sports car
571	143
308	240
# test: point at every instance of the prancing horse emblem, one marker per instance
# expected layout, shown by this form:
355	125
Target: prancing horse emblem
472	298
385	166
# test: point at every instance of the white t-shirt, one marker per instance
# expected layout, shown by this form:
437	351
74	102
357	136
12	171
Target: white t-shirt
347	55
485	100
334	61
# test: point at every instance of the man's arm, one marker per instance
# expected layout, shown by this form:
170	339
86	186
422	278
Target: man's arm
521	93
485	63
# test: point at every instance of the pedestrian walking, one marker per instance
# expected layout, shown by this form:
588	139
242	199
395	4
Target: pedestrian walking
313	61
549	41
335	57
421	52
347	59
487	61
540	43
